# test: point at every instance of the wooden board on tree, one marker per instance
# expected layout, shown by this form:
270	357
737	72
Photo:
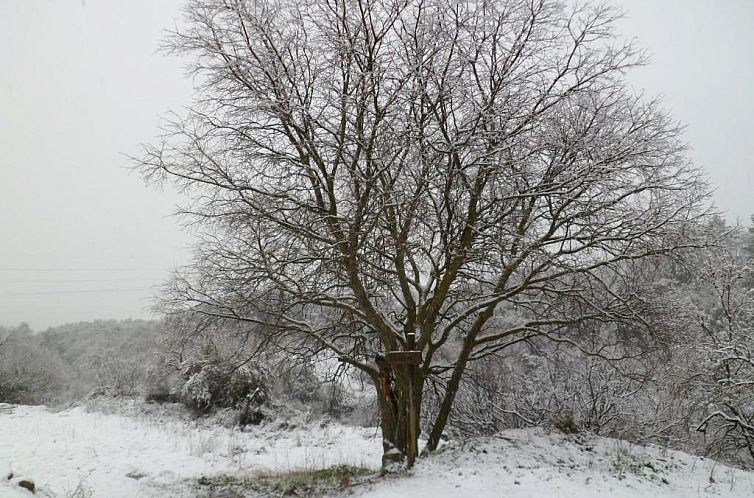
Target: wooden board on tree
403	358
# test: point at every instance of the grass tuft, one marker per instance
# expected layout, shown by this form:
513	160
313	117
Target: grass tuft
302	482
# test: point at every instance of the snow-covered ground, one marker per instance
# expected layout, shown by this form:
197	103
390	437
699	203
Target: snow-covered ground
536	463
115	456
74	453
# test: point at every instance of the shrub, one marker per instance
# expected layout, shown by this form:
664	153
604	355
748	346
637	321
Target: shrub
566	424
212	384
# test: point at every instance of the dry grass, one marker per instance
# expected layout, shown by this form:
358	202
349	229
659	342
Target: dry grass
302	481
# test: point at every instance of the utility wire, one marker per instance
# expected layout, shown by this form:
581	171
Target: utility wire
70	281
14	269
55	293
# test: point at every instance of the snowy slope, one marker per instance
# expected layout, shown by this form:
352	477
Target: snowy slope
535	463
113	456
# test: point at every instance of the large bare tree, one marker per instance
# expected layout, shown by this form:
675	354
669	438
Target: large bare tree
364	170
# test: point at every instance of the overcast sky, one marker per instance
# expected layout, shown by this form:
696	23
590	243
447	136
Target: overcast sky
81	238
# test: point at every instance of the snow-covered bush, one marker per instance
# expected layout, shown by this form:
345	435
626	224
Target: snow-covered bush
210	383
207	364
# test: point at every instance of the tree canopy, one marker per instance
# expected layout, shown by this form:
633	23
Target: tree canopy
474	173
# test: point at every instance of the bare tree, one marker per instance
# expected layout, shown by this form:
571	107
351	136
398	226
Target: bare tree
725	376
362	170
5	337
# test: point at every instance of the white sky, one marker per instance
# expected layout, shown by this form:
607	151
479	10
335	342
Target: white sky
81	238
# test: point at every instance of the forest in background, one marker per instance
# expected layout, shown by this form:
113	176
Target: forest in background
681	376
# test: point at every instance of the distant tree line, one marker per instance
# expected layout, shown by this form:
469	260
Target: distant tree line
65	363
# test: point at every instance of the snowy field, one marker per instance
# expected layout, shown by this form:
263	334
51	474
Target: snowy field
117	456
74	453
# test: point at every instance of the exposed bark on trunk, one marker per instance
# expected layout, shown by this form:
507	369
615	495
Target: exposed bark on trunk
395	400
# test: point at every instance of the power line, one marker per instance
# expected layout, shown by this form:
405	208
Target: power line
79	280
14	269
54	293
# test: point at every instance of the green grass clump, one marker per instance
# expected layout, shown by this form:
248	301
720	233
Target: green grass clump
303	481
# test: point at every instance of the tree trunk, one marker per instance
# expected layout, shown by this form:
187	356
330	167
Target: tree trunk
399	394
448	399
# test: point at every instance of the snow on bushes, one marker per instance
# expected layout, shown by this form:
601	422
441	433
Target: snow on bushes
208	384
